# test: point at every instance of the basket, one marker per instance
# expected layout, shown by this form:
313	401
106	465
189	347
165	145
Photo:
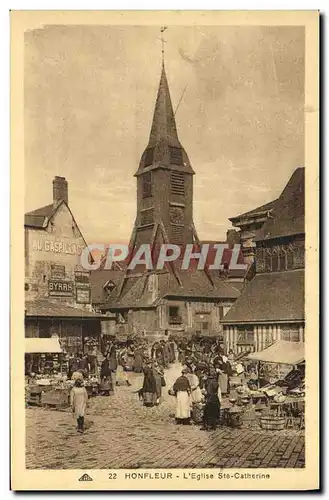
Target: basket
272	423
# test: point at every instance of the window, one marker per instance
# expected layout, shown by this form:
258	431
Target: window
148	158
174	315
176	156
109	286
177	183
205	326
221	312
147	185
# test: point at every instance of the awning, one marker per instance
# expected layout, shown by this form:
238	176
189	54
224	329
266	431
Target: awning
281	352
37	345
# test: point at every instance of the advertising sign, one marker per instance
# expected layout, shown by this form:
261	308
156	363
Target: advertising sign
58	288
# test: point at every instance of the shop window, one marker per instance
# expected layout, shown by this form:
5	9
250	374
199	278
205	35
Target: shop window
147	184
177	183
149	155
174	315
176	156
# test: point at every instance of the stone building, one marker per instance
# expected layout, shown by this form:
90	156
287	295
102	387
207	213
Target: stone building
271	306
186	302
57	287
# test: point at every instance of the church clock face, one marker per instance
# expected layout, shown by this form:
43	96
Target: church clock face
177	215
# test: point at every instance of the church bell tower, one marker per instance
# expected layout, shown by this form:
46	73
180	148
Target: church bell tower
164	180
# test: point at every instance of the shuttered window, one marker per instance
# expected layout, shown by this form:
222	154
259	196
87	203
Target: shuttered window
148	159
177	183
176	156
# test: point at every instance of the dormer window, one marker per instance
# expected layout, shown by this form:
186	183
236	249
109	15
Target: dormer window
109	287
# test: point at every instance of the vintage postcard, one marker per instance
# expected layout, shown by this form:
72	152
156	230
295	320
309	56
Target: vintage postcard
165	299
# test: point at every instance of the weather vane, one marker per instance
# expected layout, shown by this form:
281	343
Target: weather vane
163	41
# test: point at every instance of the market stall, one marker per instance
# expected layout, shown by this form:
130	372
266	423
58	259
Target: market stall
46	385
285	396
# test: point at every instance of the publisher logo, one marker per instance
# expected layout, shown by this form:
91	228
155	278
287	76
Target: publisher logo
85	477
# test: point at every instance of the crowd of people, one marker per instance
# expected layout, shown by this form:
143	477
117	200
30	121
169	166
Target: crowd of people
204	380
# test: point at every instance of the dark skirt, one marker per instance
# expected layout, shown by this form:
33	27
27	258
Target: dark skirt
211	412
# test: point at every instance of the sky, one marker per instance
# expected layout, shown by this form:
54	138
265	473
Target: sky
89	99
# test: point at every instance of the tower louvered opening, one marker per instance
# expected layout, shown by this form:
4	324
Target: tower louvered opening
177	183
176	156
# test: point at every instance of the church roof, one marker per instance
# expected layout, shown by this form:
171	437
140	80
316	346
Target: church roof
164	148
164	124
194	285
270	297
288	214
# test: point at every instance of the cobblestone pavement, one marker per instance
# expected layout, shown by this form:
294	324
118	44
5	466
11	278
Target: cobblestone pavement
120	433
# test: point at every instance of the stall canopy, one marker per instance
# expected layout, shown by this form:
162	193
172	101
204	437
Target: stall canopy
42	346
281	352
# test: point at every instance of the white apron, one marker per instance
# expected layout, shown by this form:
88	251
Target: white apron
183	405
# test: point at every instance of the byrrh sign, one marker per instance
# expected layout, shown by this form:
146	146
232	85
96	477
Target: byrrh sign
57	288
61	246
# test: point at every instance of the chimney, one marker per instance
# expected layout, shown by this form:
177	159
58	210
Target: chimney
60	190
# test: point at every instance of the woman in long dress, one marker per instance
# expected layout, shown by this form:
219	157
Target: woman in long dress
138	360
158	375
79	398
149	389
211	410
182	390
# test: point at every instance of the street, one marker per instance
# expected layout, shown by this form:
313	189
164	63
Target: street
121	433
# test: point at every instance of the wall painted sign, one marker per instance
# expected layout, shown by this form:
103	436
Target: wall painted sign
61	246
83	295
57	288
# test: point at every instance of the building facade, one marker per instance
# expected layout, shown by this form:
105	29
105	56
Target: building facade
185	302
57	286
271	306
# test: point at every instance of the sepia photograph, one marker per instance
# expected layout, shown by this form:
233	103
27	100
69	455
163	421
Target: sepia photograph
163	324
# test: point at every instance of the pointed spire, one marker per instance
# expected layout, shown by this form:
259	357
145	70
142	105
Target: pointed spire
163	125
